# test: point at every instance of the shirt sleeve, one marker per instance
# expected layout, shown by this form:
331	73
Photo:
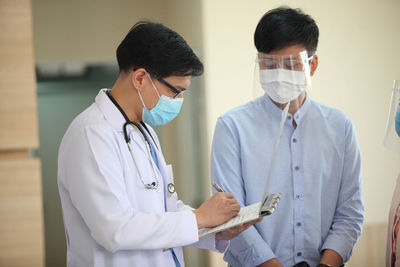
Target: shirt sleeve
210	243
248	248
94	179
349	215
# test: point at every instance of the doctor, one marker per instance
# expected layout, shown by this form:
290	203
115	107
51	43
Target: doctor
118	197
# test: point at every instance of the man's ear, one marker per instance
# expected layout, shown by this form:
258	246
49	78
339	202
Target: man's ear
138	78
313	65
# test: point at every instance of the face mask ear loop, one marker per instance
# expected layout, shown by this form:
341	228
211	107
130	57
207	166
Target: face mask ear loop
153	85
141	99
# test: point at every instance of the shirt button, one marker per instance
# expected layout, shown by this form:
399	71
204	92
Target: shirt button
294	140
297	196
289	118
299	254
298	224
297	168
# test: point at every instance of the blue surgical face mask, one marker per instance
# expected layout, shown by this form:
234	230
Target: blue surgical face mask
397	120
166	109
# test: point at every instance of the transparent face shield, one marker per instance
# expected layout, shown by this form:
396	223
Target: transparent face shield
392	139
282	77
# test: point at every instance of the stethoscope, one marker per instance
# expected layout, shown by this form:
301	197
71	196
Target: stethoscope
155	184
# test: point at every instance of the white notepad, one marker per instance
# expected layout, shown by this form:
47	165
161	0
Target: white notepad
246	214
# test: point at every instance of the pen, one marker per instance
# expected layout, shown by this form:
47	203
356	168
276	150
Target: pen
219	189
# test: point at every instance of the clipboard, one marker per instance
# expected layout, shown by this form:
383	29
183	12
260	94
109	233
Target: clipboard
246	214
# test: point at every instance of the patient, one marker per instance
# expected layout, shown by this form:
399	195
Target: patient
317	167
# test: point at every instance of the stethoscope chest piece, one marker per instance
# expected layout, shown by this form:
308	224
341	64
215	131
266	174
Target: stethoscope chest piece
171	188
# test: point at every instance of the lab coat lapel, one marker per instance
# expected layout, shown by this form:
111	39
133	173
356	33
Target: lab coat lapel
167	176
165	171
160	157
137	138
110	111
117	121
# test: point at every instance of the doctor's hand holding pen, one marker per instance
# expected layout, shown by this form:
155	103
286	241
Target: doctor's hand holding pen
217	210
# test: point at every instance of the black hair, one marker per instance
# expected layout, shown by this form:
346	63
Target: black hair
282	27
159	50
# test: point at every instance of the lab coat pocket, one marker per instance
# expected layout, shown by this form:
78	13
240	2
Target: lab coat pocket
172	196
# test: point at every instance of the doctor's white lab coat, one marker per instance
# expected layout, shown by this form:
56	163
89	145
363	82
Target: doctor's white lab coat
110	218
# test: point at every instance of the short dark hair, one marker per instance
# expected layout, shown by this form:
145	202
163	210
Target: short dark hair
284	26
159	50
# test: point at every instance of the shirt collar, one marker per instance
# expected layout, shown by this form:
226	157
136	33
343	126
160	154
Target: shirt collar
109	110
273	109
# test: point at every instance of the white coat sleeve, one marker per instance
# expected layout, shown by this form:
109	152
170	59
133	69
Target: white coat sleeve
208	242
95	182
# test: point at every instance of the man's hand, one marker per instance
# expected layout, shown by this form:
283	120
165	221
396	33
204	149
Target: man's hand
271	263
216	210
235	231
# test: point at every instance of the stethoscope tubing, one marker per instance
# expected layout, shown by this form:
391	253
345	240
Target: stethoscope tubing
152	185
155	184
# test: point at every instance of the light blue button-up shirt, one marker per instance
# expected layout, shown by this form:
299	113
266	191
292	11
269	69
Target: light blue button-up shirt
317	172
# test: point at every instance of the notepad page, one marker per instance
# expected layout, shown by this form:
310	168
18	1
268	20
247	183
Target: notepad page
245	214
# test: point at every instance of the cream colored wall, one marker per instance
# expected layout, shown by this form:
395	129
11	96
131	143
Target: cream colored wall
87	30
358	60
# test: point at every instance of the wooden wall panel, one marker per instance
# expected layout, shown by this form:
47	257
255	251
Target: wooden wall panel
18	108
21	213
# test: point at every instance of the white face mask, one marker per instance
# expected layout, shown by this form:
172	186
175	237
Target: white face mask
283	85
